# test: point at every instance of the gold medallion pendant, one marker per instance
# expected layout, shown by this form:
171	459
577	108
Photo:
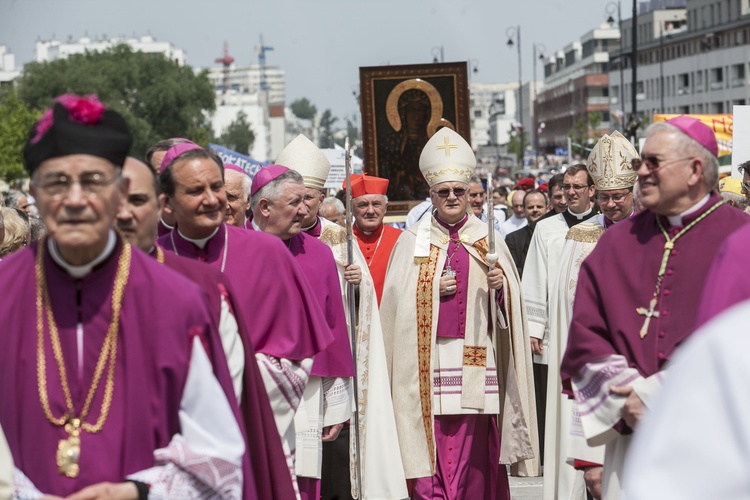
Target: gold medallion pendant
69	450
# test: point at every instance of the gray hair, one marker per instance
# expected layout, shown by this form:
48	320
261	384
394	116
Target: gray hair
16	230
11	199
272	190
330	200
475	179
737	200
38	229
687	145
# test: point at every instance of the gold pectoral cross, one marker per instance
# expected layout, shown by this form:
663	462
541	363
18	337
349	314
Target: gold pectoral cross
69	450
648	313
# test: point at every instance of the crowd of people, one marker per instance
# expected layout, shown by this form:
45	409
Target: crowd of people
178	329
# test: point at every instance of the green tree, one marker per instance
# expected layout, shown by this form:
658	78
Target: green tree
157	97
16	120
303	108
514	144
326	129
583	131
238	136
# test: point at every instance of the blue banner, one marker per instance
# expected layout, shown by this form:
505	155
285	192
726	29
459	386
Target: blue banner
244	162
561	151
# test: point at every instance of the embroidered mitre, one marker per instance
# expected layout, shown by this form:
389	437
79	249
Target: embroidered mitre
610	162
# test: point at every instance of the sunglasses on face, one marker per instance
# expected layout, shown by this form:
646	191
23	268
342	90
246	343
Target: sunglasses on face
445	192
654	163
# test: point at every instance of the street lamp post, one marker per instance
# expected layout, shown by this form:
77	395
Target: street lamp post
438	51
472	66
516	33
610	9
537	47
634	122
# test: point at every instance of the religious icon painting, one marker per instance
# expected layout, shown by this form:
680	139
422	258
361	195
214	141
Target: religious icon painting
402	107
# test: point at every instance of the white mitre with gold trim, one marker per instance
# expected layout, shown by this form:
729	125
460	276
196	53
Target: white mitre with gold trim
610	162
304	156
447	157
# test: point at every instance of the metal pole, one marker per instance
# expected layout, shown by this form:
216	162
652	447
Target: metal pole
634	82
622	69
520	93
352	312
661	68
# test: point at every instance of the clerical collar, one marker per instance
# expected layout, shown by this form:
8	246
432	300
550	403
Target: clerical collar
581	216
200	243
165	224
456	225
676	220
81	271
255	226
312	226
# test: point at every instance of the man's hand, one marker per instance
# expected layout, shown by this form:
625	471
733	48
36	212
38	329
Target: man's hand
593	478
107	491
633	409
353	274
447	285
331	432
495	279
536	346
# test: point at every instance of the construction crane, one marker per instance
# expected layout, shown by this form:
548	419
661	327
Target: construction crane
261	51
227	62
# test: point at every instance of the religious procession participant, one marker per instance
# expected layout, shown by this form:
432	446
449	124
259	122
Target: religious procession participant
534	208
693	443
15	230
376	239
6	469
87	356
449	321
730	190
278	204
333	209
541	270
237	184
155	157
557	201
518	219
378	445
610	166
137	221
621	336
286	326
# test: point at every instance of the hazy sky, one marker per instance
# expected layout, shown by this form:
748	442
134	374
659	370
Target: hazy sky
319	43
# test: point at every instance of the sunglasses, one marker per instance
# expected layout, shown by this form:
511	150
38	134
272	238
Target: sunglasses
445	192
653	163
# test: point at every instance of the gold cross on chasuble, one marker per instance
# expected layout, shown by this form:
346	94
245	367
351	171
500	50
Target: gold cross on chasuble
447	146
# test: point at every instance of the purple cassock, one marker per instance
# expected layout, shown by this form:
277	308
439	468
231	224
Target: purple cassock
727	284
317	263
162	229
619	277
162	312
270	471
272	295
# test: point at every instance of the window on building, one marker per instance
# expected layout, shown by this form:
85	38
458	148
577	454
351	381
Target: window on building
477	113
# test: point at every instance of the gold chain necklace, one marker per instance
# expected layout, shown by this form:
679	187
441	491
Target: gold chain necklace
669	244
159	255
69	450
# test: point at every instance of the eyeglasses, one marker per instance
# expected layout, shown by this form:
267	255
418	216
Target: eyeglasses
653	163
445	192
576	187
746	186
617	198
91	183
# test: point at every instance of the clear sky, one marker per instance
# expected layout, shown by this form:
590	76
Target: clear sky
319	43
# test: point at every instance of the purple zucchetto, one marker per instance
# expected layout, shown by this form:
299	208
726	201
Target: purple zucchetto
176	151
698	131
236	168
266	175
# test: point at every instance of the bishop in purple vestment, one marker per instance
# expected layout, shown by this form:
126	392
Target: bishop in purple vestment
94	401
626	325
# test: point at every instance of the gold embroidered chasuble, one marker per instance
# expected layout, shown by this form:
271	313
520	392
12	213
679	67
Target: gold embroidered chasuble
409	313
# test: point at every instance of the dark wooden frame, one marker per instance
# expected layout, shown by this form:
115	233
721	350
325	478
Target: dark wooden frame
376	83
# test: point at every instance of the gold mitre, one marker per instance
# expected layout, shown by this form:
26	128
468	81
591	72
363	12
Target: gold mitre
304	156
447	157
610	162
